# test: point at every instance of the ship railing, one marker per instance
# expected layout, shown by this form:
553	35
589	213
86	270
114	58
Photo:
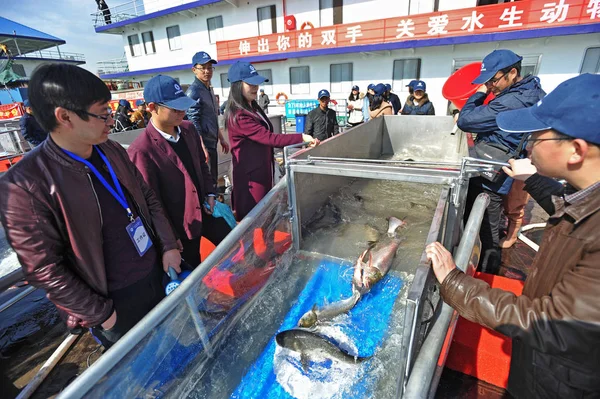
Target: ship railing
115	65
55	55
133	9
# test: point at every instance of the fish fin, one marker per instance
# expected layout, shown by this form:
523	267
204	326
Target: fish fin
304	361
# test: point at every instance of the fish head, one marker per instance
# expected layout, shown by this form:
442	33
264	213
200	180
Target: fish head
394	224
309	319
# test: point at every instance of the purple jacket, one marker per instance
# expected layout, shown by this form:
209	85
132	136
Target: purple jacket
166	175
252	141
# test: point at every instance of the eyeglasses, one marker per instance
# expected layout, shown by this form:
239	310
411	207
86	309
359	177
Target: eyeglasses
493	81
105	118
530	141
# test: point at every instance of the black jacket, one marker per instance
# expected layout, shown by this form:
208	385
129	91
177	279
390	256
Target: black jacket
396	103
31	129
322	124
204	114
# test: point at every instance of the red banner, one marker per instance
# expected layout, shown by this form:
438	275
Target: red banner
11	111
504	17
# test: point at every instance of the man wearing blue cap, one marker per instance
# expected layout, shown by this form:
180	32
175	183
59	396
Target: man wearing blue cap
140	117
86	227
205	113
30	128
169	155
555	322
393	99
501	75
418	103
321	122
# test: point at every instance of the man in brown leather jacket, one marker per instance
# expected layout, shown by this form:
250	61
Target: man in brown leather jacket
84	225
555	323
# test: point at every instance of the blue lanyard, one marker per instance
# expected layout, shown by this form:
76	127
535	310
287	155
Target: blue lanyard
118	194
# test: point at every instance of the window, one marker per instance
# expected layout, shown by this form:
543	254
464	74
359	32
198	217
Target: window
340	76
174	37
404	72
215	29
148	39
268	86
266	20
331	12
225	85
299	80
134	45
19	69
591	61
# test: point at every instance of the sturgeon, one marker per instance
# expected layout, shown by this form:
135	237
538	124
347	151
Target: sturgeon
366	274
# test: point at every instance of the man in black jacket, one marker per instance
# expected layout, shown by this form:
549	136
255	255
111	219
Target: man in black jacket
321	122
204	114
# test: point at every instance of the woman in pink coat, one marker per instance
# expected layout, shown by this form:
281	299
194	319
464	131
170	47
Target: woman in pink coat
252	139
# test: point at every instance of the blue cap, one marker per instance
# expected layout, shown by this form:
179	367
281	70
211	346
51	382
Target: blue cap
379	89
165	90
419	85
411	84
245	72
388	87
573	109
355	87
323	93
125	104
26	103
370	86
139	102
202	58
495	61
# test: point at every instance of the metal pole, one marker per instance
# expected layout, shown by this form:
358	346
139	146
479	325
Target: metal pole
193	308
422	381
16	298
59	54
48	366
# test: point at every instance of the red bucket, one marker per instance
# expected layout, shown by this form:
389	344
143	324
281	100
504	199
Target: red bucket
458	88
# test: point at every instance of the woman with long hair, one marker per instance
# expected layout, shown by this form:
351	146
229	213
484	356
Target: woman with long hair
252	139
355	105
418	103
379	104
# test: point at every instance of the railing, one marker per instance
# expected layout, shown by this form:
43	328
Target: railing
132	9
54	55
115	65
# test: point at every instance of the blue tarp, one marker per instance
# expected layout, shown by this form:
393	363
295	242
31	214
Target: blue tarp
365	327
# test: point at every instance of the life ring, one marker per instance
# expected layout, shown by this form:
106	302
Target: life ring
304	26
279	96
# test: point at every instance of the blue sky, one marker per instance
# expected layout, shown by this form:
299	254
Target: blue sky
69	20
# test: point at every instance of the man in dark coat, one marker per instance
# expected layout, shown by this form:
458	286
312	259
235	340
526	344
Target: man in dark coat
204	113
555	323
170	157
263	101
30	128
321	122
500	75
393	99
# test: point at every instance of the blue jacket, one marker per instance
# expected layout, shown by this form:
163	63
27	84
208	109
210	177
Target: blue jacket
424	107
31	129
204	114
475	117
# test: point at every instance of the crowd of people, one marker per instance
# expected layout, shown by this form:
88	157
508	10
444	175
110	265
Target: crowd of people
97	227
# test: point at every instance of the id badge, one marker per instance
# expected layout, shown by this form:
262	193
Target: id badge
139	236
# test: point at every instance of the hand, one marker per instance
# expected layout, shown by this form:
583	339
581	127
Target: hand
456	117
482	89
224	143
350	107
441	260
314	143
224	146
179	245
211	203
111	321
520	169
172	258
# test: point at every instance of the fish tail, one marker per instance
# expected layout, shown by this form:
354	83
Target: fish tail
393	225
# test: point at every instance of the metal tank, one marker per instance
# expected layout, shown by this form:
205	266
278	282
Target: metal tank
214	336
